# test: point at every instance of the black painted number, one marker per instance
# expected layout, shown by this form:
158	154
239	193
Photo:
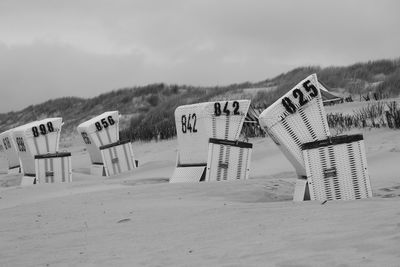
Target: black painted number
236	107
299	95
85	137
217	109
43	129
21	144
189	123
104	123
288	104
226	110
6	143
310	87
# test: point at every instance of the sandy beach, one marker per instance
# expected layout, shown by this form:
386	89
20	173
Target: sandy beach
139	219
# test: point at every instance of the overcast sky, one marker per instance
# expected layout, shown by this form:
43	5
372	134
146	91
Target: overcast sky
51	48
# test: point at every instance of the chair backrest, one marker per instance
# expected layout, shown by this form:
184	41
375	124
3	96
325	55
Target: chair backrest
296	118
99	131
9	149
197	123
36	138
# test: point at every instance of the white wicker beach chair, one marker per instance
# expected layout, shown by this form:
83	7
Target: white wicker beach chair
296	118
195	125
99	131
327	168
36	138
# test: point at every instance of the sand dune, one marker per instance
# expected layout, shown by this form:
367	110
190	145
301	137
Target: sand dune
138	219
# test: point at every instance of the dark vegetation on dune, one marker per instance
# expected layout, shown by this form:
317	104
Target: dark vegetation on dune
148	111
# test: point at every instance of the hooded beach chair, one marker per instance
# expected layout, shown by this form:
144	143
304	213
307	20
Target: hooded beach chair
108	155
207	135
298	118
37	142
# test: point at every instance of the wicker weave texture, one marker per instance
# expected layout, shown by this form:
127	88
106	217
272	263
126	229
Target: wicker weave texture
338	172
197	123
118	159
53	170
304	124
9	149
227	162
187	174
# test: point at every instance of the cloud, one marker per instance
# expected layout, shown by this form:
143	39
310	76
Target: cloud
33	73
50	48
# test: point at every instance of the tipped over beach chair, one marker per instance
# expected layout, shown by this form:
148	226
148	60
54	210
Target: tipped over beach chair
298	118
207	135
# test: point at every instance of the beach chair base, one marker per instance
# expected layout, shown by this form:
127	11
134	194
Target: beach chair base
337	168
28	179
118	158
301	189
189	174
53	168
97	169
14	170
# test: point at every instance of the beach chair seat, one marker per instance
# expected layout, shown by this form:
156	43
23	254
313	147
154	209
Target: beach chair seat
228	160
118	158
53	168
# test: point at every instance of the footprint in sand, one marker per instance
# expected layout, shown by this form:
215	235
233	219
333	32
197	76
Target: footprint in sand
389	192
395	149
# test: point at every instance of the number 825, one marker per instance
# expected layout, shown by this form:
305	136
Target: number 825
298	94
